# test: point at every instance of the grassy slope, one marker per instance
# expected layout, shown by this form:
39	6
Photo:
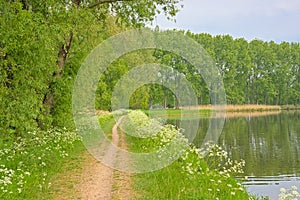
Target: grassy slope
173	183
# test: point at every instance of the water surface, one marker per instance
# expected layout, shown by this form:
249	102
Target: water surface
270	145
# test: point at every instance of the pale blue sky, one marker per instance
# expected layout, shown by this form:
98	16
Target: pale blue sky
277	20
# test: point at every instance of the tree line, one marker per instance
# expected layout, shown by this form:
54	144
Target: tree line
43	44
253	72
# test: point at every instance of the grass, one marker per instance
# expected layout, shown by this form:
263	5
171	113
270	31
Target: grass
31	167
189	177
178	113
107	122
171	183
64	181
27	164
47	164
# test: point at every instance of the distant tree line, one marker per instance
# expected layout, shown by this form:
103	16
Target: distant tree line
255	72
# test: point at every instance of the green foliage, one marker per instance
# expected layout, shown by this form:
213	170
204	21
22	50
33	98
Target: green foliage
116	71
255	72
43	44
27	64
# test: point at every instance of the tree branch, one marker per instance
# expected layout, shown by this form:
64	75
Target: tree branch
62	55
105	1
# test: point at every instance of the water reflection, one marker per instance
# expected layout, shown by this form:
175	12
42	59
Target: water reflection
270	145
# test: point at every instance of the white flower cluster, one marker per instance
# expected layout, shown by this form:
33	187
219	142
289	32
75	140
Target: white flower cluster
211	161
140	125
29	155
154	136
139	119
217	159
191	162
289	194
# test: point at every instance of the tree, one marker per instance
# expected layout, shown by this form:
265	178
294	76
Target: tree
43	44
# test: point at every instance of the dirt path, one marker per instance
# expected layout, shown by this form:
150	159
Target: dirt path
97	181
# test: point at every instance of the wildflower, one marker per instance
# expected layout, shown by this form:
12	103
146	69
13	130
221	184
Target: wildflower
27	173
282	190
288	193
295	193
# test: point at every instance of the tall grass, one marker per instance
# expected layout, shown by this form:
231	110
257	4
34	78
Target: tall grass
251	107
290	107
238	108
192	176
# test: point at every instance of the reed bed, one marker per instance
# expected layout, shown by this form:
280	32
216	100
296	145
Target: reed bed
236	108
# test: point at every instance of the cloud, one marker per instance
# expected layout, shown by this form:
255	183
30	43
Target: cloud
265	19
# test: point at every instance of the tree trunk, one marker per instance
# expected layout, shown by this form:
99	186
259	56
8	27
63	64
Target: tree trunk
48	101
287	94
252	97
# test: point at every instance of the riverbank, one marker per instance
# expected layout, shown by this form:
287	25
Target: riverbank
236	108
207	111
290	107
192	176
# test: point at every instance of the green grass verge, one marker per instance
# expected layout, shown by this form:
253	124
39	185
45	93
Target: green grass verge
189	177
28	163
107	122
178	113
173	182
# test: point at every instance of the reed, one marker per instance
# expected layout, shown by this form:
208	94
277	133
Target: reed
236	108
290	107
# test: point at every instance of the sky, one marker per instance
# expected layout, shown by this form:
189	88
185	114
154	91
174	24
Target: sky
277	20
